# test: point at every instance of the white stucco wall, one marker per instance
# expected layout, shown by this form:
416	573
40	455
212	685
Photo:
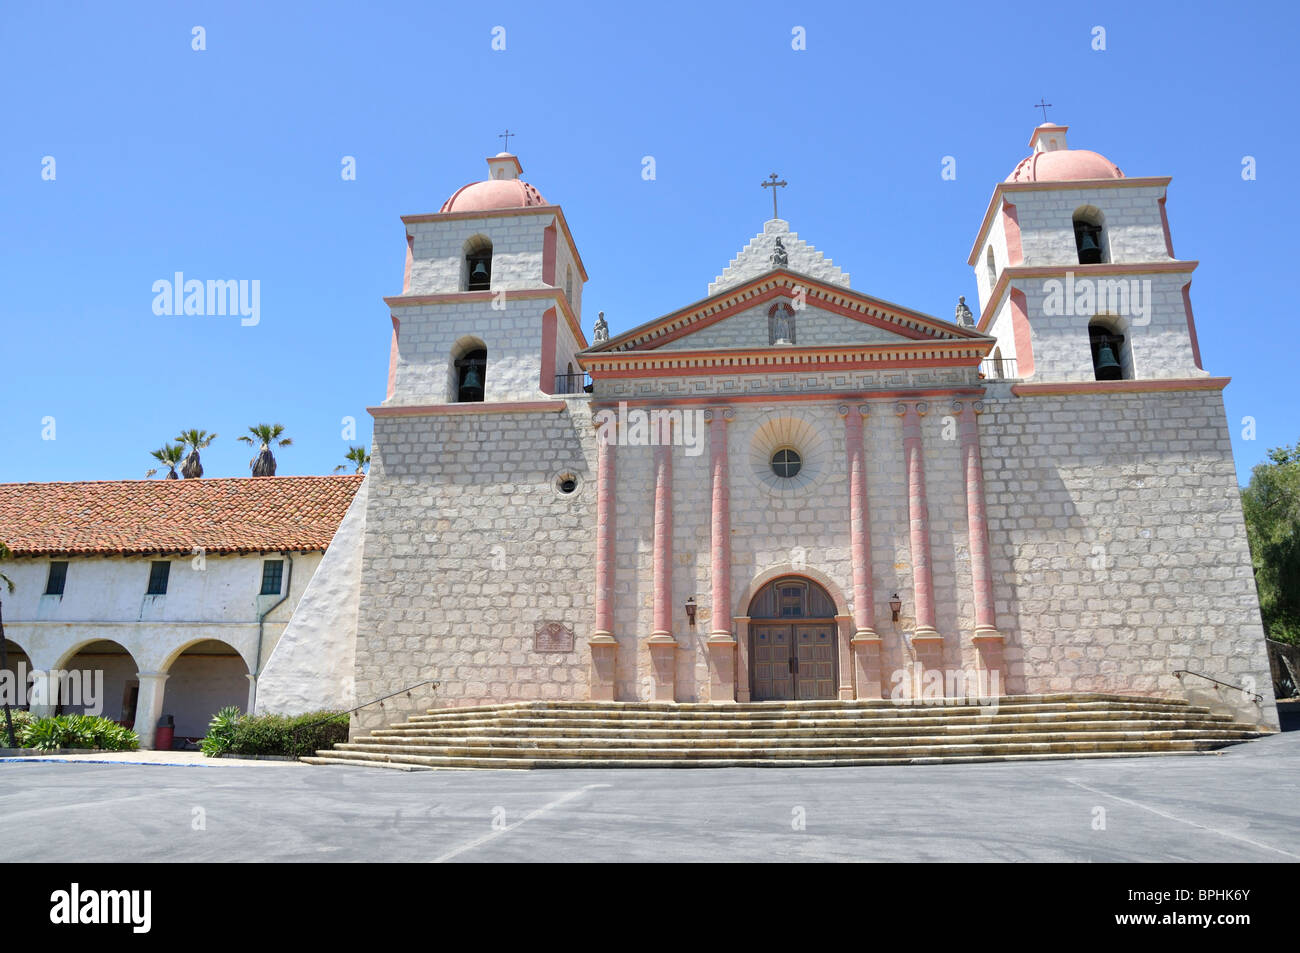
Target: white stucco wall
313	665
215	598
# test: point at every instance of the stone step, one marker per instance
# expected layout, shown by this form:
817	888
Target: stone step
685	707
935	721
897	713
660	748
847	731
401	761
660	734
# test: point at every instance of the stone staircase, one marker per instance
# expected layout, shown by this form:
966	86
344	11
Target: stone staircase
581	734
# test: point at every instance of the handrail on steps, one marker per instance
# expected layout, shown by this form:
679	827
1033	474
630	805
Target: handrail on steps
1178	672
401	691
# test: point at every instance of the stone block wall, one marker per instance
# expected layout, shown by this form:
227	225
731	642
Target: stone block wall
1118	543
468	546
1134	230
1158	339
431	334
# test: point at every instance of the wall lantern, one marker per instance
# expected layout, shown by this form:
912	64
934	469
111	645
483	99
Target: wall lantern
895	604
690	610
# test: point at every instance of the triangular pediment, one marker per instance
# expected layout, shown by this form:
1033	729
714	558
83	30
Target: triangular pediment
782	309
778	247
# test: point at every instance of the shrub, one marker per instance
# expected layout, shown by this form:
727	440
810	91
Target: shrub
221	732
77	731
294	735
21	719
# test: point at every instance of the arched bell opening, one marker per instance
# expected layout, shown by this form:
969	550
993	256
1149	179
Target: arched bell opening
1090	236
478	264
1112	358
468	371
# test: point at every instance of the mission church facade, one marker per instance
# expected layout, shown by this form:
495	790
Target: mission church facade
791	489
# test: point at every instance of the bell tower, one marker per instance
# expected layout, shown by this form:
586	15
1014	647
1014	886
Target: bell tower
1076	271
491	301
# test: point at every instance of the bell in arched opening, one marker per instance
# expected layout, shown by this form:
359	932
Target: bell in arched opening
1105	354
1108	369
470	372
1088	242
480	274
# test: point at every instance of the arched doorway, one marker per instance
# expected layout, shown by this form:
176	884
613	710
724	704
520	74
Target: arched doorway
99	678
17	678
792	641
204	678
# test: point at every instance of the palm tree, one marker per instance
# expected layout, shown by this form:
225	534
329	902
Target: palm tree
355	455
169	455
267	436
196	440
8	585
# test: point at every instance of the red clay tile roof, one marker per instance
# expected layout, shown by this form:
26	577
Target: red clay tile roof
139	517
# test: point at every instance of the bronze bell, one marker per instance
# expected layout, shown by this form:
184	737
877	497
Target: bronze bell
473	382
1108	368
479	276
1089	250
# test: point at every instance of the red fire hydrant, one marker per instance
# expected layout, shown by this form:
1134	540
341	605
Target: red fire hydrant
164	733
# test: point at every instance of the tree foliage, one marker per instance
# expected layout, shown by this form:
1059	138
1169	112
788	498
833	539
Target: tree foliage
1271	503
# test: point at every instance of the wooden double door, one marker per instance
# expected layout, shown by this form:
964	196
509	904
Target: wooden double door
792	660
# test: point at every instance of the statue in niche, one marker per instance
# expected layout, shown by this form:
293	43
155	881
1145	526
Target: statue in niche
779	257
782	325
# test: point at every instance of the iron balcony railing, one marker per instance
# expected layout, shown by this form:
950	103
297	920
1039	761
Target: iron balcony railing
578	382
999	368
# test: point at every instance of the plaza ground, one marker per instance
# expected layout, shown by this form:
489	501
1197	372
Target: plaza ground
1239	805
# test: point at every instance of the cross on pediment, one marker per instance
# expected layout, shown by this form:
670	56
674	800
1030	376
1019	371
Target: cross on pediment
773	184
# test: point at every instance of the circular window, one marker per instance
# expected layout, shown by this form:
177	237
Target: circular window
566	483
786	463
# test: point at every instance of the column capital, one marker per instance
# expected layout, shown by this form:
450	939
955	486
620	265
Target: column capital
919	407
725	414
158	675
862	410
975	406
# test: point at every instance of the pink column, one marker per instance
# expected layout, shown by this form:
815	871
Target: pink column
722	645
925	637
988	641
662	645
742	657
604	647
865	644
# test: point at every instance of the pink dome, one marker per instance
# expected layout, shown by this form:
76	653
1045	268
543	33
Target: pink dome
493	194
1064	165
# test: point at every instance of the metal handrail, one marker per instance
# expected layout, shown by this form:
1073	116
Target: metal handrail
1259	699
400	691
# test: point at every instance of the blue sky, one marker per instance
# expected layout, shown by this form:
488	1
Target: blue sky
225	163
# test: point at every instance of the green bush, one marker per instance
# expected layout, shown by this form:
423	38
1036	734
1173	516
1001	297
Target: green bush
291	735
21	719
77	731
221	732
